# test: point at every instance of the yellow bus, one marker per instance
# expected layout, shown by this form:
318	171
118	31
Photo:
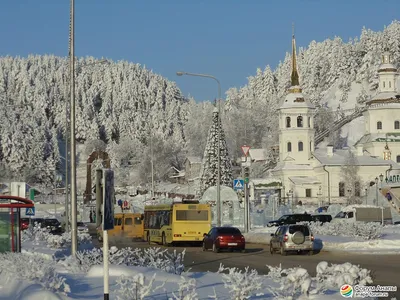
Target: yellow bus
126	225
185	221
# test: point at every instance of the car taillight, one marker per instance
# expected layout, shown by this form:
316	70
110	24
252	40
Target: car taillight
285	238
242	237
312	238
221	238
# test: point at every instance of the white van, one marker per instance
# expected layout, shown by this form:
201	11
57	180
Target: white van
365	213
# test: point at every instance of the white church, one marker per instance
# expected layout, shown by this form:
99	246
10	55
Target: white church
315	175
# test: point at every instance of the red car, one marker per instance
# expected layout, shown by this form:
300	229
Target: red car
224	238
24	223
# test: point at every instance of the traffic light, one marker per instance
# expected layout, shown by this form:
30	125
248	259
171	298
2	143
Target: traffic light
246	174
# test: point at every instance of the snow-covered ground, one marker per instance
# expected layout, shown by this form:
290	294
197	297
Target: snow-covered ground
43	273
387	243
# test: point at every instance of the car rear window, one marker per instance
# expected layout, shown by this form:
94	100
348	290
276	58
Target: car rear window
229	231
80	224
51	222
303	229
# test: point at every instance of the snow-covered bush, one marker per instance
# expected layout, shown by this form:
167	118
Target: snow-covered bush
135	288
242	285
186	290
148	257
366	231
295	282
37	235
41	270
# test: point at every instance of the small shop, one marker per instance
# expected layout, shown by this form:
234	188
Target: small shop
10	221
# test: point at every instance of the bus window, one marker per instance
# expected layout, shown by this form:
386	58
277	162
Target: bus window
137	221
117	221
192	215
128	221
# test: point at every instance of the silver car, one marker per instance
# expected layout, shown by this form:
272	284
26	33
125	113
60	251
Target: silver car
296	238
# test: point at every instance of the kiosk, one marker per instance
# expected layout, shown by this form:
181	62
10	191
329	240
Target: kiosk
10	215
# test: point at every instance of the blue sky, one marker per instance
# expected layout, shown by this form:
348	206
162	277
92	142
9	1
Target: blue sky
226	38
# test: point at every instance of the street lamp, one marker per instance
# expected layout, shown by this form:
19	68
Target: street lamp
376	187
381	179
218	138
366	196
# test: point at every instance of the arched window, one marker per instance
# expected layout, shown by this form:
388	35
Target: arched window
289	147
379	125
341	189
300	145
309	122
287	122
299	121
398	158
357	189
396	125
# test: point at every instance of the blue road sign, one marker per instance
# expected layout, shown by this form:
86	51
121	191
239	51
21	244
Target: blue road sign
238	184
30	211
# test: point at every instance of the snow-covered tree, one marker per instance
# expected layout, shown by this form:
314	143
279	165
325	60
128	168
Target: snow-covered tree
209	171
351	178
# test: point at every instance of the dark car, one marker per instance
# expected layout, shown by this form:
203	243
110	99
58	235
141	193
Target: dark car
290	219
24	223
37	221
53	225
224	238
322	218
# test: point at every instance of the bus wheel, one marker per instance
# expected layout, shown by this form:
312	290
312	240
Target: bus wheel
164	239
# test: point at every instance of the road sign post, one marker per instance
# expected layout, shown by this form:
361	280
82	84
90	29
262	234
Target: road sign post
30	211
107	222
245	150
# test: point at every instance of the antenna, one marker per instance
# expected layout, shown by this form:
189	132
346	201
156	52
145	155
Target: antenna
292	29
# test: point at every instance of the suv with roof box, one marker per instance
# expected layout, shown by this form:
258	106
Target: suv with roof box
296	238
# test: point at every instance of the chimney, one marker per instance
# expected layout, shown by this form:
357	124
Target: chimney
360	150
329	150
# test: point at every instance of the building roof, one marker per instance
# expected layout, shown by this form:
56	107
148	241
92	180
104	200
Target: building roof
382	137
300	180
287	166
258	154
340	157
194	159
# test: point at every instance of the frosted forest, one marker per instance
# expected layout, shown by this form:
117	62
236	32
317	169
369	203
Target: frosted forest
122	107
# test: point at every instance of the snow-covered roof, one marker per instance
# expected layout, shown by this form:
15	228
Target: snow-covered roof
194	159
340	157
287	166
384	96
387	67
258	154
376	137
299	180
296	100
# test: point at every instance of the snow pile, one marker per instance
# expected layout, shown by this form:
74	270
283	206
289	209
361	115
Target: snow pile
295	282
38	235
41	270
365	231
157	258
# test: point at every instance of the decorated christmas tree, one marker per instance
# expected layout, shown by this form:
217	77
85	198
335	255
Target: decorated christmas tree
209	171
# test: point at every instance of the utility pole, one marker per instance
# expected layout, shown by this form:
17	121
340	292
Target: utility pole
74	231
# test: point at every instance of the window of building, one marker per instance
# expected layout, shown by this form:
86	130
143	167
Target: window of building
379	125
310	147
398	158
396	125
287	122
390	84
289	147
341	189
300	146
383	84
357	189
308	193
309	122
299	121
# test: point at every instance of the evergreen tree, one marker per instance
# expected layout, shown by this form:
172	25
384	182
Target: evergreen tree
209	170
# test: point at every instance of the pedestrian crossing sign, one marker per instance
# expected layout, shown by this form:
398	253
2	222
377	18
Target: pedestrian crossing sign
238	184
30	211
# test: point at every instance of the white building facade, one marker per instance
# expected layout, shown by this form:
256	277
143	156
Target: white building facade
316	175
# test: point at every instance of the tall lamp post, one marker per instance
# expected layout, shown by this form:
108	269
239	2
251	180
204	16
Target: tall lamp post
218	138
381	179
376	187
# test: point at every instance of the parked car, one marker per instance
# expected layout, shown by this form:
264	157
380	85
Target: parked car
53	225
24	223
290	219
37	221
298	238
82	227
219	238
323	218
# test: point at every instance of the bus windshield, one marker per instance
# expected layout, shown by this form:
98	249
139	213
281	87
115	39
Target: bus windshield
192	215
